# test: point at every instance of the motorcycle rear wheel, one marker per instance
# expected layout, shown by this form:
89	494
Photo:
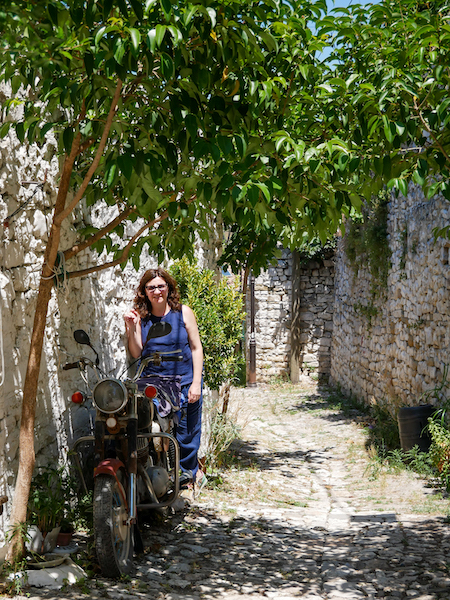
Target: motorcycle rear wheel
113	536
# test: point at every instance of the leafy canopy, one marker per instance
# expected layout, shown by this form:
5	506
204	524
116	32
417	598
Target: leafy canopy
226	107
390	92
220	110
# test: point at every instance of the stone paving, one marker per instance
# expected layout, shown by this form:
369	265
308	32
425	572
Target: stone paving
292	521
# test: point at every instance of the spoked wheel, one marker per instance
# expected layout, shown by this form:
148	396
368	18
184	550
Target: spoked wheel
113	536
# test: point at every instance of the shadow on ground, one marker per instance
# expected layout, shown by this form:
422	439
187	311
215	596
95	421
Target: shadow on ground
206	555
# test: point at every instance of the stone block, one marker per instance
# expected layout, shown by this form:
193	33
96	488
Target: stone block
13	255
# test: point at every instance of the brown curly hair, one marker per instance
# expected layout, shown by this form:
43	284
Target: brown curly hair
141	302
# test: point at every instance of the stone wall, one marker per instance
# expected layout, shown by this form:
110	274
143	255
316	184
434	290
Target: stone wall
401	351
293	317
312	326
95	303
273	300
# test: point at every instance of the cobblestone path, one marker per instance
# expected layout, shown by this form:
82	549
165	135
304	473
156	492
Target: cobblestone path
300	514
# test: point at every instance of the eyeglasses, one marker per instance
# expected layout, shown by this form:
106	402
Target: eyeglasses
152	288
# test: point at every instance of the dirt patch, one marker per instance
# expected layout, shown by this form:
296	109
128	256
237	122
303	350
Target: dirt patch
292	443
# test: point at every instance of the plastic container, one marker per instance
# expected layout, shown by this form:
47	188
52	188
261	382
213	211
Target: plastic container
412	422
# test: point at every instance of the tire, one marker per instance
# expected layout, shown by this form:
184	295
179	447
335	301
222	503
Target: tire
113	537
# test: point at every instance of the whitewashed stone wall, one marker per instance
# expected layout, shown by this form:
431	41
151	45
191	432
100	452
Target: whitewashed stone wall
95	303
404	351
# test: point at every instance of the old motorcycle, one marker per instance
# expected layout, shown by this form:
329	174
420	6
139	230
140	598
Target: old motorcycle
136	455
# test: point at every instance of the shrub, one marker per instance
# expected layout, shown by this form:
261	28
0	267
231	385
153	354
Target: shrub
219	313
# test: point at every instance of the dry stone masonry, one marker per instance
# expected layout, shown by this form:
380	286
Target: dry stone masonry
398	347
294	312
312	326
273	299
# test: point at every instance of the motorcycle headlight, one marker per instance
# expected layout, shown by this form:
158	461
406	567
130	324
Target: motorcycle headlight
110	395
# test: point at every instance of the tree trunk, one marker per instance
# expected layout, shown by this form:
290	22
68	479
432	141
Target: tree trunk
26	436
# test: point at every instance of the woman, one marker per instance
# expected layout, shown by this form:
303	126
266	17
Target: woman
157	299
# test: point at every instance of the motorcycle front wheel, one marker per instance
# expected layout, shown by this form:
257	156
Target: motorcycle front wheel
113	536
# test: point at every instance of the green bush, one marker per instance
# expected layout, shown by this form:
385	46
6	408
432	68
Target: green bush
220	316
440	449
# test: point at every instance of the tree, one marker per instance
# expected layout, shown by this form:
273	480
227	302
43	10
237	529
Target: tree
390	93
167	112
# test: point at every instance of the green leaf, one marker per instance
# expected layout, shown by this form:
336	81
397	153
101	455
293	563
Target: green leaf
191	125
119	52
225	144
270	41
176	35
125	163
148	5
98	36
53	13
253	195
418	178
389	129
137	7
265	190
135	36
172	209
151	40
402	185
160	33
207	191
89	63
226	182
4	129
166	6
68	139
212	15
241	145
189	13
167	66
111	173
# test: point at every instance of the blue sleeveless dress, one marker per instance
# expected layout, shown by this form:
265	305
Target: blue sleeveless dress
188	429
176	340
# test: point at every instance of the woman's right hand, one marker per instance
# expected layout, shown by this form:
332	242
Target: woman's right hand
132	320
133	328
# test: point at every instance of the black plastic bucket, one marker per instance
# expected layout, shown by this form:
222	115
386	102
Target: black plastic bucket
412	421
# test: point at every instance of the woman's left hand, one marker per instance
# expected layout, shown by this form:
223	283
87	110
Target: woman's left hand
194	393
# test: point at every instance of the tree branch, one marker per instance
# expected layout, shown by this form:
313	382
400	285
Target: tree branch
85	145
112	111
432	134
126	250
95	237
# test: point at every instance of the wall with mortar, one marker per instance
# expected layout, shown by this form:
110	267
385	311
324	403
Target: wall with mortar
403	351
293	317
95	303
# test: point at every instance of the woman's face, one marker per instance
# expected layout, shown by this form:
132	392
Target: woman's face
157	290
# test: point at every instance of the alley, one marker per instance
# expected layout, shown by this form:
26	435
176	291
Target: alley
301	511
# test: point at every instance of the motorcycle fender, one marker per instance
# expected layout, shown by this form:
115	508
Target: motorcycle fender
111	466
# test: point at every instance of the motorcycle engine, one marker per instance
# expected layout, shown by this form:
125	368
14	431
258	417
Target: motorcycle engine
160	480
